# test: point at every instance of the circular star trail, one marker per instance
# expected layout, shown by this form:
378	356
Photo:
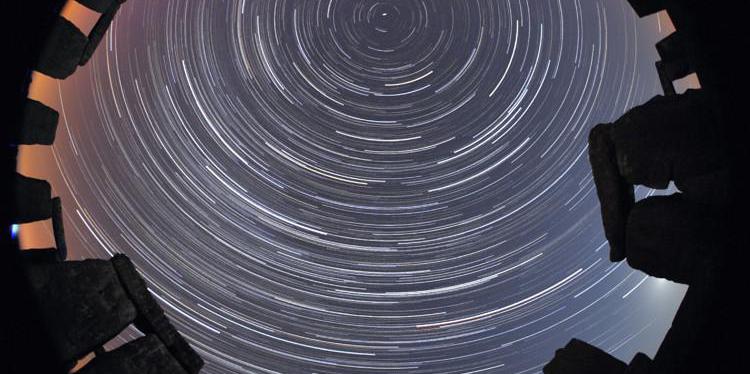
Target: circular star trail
363	186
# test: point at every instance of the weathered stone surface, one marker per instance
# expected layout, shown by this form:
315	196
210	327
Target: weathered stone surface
98	31
151	318
615	194
38	126
656	142
670	237
145	355
83	304
62	51
578	357
32	199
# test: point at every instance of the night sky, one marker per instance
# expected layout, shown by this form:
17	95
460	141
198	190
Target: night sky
363	186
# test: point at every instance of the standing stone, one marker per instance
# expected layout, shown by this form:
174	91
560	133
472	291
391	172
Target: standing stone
32	200
578	357
62	51
151	318
145	355
38	124
640	364
100	6
656	142
41	255
98	31
672	47
83	304
615	194
674	62
646	7
670	237
57	229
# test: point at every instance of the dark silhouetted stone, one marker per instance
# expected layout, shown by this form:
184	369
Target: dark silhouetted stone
615	194
57	229
672	47
646	7
670	71
655	142
697	341
83	304
38	126
674	62
145	355
670	237
98	31
151	318
33	200
62	50
41	255
640	364
100	6
578	357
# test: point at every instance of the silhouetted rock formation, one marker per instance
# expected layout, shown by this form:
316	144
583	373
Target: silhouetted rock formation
143	355
83	303
108	8
615	194
68	47
673	238
34	200
63	50
87	303
151	318
100	6
674	63
63	310
653	144
696	140
578	357
34	203
38	126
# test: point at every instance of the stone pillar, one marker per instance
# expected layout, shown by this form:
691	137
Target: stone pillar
33	203
151	318
33	200
616	196
100	29
62	51
41	255
83	304
578	357
99	6
143	355
646	7
670	237
87	303
38	124
669	138
674	62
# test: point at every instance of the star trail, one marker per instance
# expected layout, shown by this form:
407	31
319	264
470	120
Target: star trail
363	186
